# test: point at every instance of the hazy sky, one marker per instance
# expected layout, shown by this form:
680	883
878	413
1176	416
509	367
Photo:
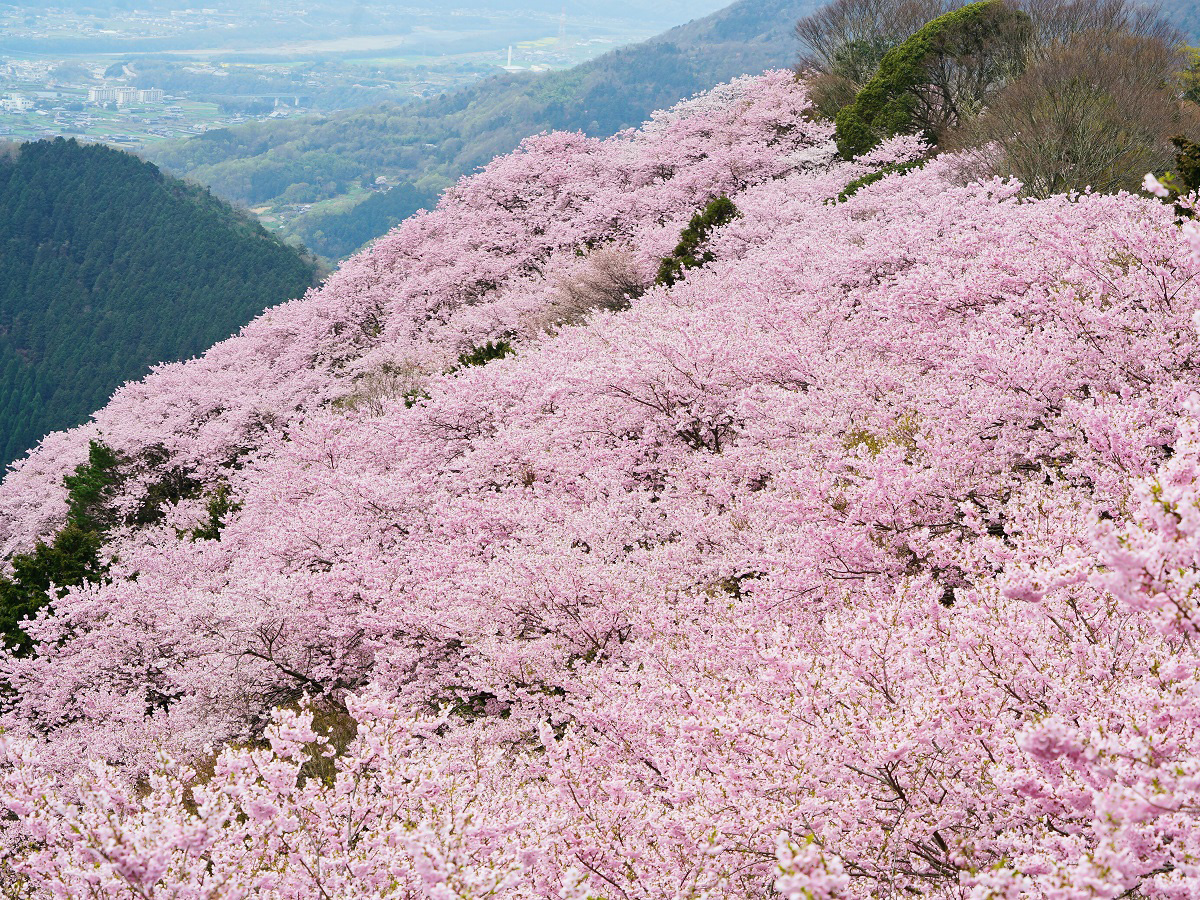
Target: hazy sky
665	10
672	11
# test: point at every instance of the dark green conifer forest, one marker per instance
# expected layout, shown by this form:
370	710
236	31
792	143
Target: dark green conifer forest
107	267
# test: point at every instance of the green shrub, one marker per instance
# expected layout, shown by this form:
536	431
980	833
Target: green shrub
1187	163
1186	177
220	506
72	557
481	356
689	254
878	175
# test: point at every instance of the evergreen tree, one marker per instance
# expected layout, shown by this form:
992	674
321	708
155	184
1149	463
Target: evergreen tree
690	253
72	557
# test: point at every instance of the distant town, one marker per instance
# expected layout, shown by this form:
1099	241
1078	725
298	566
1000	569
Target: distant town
134	78
43	105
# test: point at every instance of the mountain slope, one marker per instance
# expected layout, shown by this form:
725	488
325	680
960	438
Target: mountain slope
1185	16
860	561
106	268
428	145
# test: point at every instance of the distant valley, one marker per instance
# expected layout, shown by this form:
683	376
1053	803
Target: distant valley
228	63
336	182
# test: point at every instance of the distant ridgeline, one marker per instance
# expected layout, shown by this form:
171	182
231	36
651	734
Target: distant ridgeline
107	267
428	145
1185	16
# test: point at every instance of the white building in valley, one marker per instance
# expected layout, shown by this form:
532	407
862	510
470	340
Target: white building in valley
124	96
16	103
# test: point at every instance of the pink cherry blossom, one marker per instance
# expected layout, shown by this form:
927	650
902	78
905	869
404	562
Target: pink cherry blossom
859	563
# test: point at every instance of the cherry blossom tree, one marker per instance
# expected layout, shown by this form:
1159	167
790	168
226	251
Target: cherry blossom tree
857	563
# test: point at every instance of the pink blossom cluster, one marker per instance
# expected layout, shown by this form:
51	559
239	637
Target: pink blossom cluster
860	563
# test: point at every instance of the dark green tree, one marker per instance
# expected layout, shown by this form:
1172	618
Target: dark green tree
90	489
220	506
481	356
72	557
690	252
939	76
1187	164
1186	177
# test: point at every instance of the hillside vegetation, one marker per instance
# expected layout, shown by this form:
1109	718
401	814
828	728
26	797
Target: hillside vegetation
855	558
426	146
108	267
1081	96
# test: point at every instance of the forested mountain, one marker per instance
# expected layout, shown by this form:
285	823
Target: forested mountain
107	267
426	146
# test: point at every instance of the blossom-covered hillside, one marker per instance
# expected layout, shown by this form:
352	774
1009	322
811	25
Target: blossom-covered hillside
858	561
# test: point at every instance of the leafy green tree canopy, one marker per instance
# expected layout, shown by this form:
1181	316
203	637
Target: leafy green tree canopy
942	73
